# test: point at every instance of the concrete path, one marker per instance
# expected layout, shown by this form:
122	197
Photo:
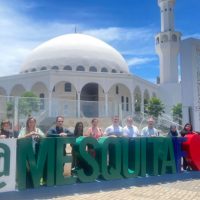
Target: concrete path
173	186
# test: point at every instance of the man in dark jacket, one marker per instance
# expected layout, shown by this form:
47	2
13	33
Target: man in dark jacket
59	130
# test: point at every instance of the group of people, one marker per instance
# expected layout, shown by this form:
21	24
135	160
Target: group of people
114	130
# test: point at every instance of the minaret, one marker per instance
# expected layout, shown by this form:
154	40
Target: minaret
168	43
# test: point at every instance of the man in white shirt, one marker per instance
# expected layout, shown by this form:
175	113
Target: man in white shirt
149	130
130	130
114	130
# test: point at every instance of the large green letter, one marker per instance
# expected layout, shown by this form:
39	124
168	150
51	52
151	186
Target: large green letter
130	157
168	163
89	168
29	163
61	159
143	158
154	153
110	158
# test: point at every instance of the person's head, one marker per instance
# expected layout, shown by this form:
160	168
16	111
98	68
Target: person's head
59	121
129	121
94	122
173	128
30	124
78	130
150	122
115	120
188	127
5	124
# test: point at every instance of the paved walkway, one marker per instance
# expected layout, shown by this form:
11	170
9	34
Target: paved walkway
174	186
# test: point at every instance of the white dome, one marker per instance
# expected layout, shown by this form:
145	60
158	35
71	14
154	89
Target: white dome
75	50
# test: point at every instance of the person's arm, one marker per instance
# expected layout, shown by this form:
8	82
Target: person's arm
143	132
156	132
183	133
68	132
101	132
106	132
88	133
40	133
137	132
23	134
2	136
125	134
52	133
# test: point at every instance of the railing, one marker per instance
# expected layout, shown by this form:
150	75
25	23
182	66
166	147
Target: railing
17	110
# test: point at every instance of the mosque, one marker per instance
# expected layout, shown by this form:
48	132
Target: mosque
77	75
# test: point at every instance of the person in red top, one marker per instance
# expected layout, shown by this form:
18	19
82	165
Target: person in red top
187	130
95	132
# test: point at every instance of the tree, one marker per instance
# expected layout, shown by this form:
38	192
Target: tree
155	107
177	113
28	103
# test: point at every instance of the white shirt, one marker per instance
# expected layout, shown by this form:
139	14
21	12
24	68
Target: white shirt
130	131
146	132
114	130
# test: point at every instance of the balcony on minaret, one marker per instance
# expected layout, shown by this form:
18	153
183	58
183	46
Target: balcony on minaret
168	37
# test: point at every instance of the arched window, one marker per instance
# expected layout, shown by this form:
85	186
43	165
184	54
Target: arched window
114	71
104	69
122	102
127	104
55	67
43	68
80	68
41	101
67	67
68	87
93	69
174	38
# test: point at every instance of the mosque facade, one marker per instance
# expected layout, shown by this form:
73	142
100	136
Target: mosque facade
77	75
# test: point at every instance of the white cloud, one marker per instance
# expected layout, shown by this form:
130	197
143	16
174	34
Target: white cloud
19	35
139	61
116	33
129	41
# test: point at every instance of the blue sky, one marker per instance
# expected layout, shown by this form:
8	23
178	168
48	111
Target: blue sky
127	25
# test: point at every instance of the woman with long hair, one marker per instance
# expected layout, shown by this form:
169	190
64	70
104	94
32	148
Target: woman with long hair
78	131
187	130
31	130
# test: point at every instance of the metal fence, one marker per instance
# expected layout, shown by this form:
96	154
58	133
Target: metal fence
17	109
